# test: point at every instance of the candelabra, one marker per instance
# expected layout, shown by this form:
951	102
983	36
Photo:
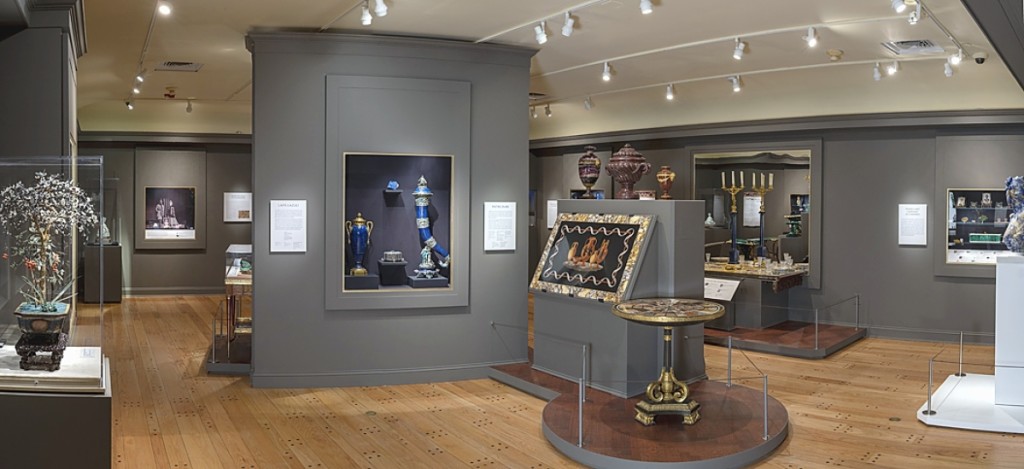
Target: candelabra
734	254
761	191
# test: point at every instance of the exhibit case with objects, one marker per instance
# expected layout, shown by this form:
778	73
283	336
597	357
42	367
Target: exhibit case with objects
976	220
231	342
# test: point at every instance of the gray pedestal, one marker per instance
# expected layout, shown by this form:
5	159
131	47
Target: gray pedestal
111	277
757	306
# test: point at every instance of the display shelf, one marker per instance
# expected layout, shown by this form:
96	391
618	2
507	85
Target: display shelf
975	221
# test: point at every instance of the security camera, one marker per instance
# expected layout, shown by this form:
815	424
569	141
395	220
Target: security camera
980	57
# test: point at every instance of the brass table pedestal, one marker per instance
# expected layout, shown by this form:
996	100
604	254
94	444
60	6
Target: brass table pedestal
668	395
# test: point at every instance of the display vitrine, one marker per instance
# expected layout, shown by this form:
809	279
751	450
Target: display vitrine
975	222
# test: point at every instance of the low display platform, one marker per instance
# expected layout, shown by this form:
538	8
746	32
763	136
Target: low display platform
81	371
790	338
730	434
969	402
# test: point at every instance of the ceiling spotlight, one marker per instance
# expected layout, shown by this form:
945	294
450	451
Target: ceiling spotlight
367	18
899	5
587	103
139	78
136	90
547	110
737	84
533	112
670	92
740	49
878	71
915	15
957	57
164	7
606	75
188	107
947	69
646	7
892	68
381	9
129	104
811	37
569	23
541	32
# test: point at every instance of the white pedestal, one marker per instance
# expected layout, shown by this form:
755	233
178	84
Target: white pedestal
1009	381
969	402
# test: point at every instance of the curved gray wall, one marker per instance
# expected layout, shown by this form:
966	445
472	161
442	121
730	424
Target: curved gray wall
300	341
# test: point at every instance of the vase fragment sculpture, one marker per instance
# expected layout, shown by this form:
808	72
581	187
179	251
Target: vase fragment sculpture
665	177
1013	237
422	195
589	169
626	167
359	230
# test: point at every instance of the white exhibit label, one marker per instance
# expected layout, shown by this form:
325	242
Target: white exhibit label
913	229
499	226
238	206
720	289
287	226
751	209
552	213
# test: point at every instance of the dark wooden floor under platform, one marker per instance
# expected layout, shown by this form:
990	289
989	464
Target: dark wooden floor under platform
789	338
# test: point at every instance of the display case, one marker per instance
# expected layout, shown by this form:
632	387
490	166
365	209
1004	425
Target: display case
975	222
49	341
231	344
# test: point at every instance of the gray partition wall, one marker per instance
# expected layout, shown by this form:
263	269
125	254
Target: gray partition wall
318	96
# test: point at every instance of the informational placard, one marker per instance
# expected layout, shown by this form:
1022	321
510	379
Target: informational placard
552	213
238	207
287	226
720	289
913	229
751	209
499	226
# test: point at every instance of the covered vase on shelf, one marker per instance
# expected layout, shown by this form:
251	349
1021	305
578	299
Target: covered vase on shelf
665	177
359	230
589	168
626	167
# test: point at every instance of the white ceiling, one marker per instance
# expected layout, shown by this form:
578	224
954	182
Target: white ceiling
685	42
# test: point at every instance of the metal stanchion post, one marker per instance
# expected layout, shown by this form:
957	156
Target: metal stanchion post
728	369
584	374
815	328
960	372
765	407
928	410
579	416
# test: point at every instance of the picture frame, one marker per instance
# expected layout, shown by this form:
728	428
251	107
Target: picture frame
593	256
176	177
164	219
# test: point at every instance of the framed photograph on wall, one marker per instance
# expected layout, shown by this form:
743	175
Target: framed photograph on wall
170	213
592	256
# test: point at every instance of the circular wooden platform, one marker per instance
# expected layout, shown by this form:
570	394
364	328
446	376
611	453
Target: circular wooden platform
729	434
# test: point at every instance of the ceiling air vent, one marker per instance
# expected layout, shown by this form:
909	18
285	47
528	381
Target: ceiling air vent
172	66
912	48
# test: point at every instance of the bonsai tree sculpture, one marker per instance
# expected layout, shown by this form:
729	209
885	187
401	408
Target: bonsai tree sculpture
39	219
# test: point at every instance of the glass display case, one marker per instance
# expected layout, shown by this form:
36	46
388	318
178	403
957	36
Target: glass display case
975	222
231	346
49	340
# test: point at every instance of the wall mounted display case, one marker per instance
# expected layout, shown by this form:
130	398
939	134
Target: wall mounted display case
975	222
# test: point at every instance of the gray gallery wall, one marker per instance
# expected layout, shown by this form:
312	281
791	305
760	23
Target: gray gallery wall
868	169
148	272
297	340
35	123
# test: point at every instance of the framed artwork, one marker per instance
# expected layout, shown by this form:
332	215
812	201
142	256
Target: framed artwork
170	213
238	207
592	256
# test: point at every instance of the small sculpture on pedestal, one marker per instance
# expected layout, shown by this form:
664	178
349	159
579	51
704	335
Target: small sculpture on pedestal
359	230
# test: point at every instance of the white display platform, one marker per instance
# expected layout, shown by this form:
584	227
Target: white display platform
968	402
1009	323
81	371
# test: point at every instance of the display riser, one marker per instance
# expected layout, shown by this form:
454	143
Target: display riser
968	402
1009	377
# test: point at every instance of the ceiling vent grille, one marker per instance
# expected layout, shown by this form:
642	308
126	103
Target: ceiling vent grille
913	48
172	66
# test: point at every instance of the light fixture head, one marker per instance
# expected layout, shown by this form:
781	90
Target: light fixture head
547	110
129	104
646	7
588	103
139	78
947	69
366	18
878	71
606	74
670	92
737	83
381	9
541	32
188	107
164	7
533	112
899	5
741	47
136	90
569	23
956	58
812	37
892	68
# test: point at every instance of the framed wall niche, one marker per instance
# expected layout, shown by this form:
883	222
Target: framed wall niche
170	199
976	220
797	170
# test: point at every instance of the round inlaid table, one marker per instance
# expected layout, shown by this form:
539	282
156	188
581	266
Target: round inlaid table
668	395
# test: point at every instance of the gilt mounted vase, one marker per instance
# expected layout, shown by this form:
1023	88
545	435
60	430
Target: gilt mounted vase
626	167
589	168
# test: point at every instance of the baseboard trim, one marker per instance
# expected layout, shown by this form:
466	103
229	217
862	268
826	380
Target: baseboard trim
378	377
163	291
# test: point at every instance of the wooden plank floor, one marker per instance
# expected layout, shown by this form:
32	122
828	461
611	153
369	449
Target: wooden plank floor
853	409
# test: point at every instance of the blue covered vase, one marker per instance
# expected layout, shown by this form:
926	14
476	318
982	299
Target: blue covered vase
359	230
